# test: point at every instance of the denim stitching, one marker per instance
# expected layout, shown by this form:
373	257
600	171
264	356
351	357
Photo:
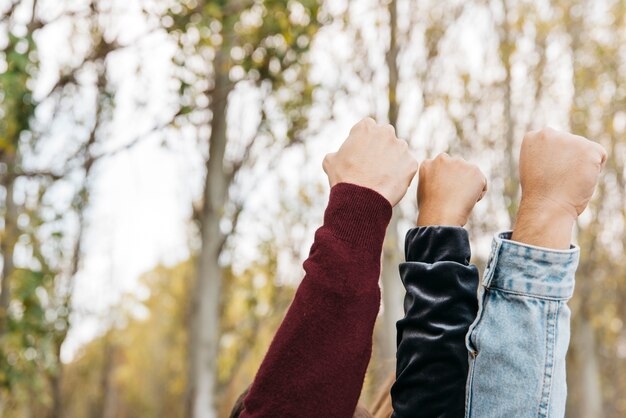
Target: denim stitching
555	327
468	388
549	360
491	267
531	295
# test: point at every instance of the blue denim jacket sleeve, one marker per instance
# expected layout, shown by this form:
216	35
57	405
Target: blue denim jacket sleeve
520	337
440	304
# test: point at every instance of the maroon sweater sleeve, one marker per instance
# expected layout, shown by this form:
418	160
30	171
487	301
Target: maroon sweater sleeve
316	363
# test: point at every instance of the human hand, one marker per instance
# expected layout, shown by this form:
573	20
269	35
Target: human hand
558	174
373	157
447	191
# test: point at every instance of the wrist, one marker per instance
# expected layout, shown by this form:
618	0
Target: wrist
439	218
543	224
357	215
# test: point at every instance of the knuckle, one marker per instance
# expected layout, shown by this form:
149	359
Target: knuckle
603	153
530	135
547	133
363	123
484	180
327	160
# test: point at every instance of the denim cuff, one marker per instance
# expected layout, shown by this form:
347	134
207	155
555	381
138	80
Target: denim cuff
430	244
530	270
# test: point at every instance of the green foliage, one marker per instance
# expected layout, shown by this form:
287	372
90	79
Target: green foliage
16	100
266	42
26	352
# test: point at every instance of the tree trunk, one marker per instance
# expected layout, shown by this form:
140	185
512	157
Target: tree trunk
109	394
585	394
393	292
7	245
205	314
393	295
56	380
511	183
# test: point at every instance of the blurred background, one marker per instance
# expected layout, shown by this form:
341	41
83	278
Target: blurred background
160	178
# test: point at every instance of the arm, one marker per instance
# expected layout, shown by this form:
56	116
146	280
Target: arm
520	338
440	305
316	363
440	302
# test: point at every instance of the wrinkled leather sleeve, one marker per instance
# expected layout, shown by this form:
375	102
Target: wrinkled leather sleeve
440	305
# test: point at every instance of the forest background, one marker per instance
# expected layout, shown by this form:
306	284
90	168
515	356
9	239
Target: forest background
160	178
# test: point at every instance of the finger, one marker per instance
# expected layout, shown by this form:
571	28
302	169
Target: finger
603	155
484	192
389	130
363	124
533	134
327	161
368	122
485	186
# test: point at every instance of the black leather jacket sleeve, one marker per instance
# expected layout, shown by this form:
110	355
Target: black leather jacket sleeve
440	305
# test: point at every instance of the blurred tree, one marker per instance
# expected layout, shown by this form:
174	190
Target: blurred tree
18	108
35	298
25	347
257	46
598	111
146	333
152	331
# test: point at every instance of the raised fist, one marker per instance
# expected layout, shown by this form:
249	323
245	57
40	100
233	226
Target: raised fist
559	170
373	157
558	173
447	191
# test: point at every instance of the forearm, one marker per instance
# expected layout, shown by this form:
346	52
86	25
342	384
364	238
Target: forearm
317	361
440	305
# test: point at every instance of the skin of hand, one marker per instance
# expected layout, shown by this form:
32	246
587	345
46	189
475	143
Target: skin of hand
447	191
559	172
373	157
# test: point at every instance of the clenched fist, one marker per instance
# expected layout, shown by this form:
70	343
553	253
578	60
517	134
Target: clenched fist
558	174
373	157
447	191
560	168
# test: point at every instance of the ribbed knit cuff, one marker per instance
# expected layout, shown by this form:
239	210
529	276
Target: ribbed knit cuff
357	215
430	244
